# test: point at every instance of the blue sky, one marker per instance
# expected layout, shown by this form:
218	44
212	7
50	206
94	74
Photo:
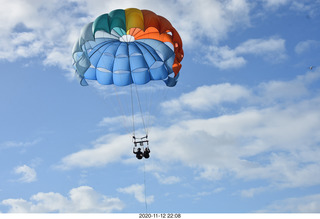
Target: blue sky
239	133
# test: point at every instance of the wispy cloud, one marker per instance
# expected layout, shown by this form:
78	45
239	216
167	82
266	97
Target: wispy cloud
249	193
107	149
79	200
275	3
306	45
28	174
205	98
305	204
137	191
224	57
113	123
310	8
19	144
167	180
202	194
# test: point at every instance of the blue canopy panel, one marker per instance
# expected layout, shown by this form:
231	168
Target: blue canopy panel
124	63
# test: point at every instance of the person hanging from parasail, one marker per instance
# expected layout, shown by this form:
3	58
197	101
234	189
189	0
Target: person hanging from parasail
146	153
138	153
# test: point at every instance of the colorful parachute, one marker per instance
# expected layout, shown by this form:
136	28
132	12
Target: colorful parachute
126	47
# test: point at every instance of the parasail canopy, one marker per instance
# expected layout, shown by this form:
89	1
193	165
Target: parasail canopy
126	47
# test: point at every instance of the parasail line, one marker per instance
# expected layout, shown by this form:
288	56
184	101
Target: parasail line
132	110
145	187
122	109
138	98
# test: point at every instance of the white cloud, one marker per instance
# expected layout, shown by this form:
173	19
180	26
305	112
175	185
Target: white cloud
223	57
167	180
310	8
271	46
275	3
206	97
36	28
268	143
125	121
28	174
211	20
249	193
306	45
306	204
106	121
273	137
274	144
138	191
118	122
19	144
272	49
275	91
21	38
200	195
106	149
80	200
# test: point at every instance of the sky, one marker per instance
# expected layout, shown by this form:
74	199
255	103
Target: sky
240	133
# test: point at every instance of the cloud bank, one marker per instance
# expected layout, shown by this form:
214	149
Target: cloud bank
80	200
